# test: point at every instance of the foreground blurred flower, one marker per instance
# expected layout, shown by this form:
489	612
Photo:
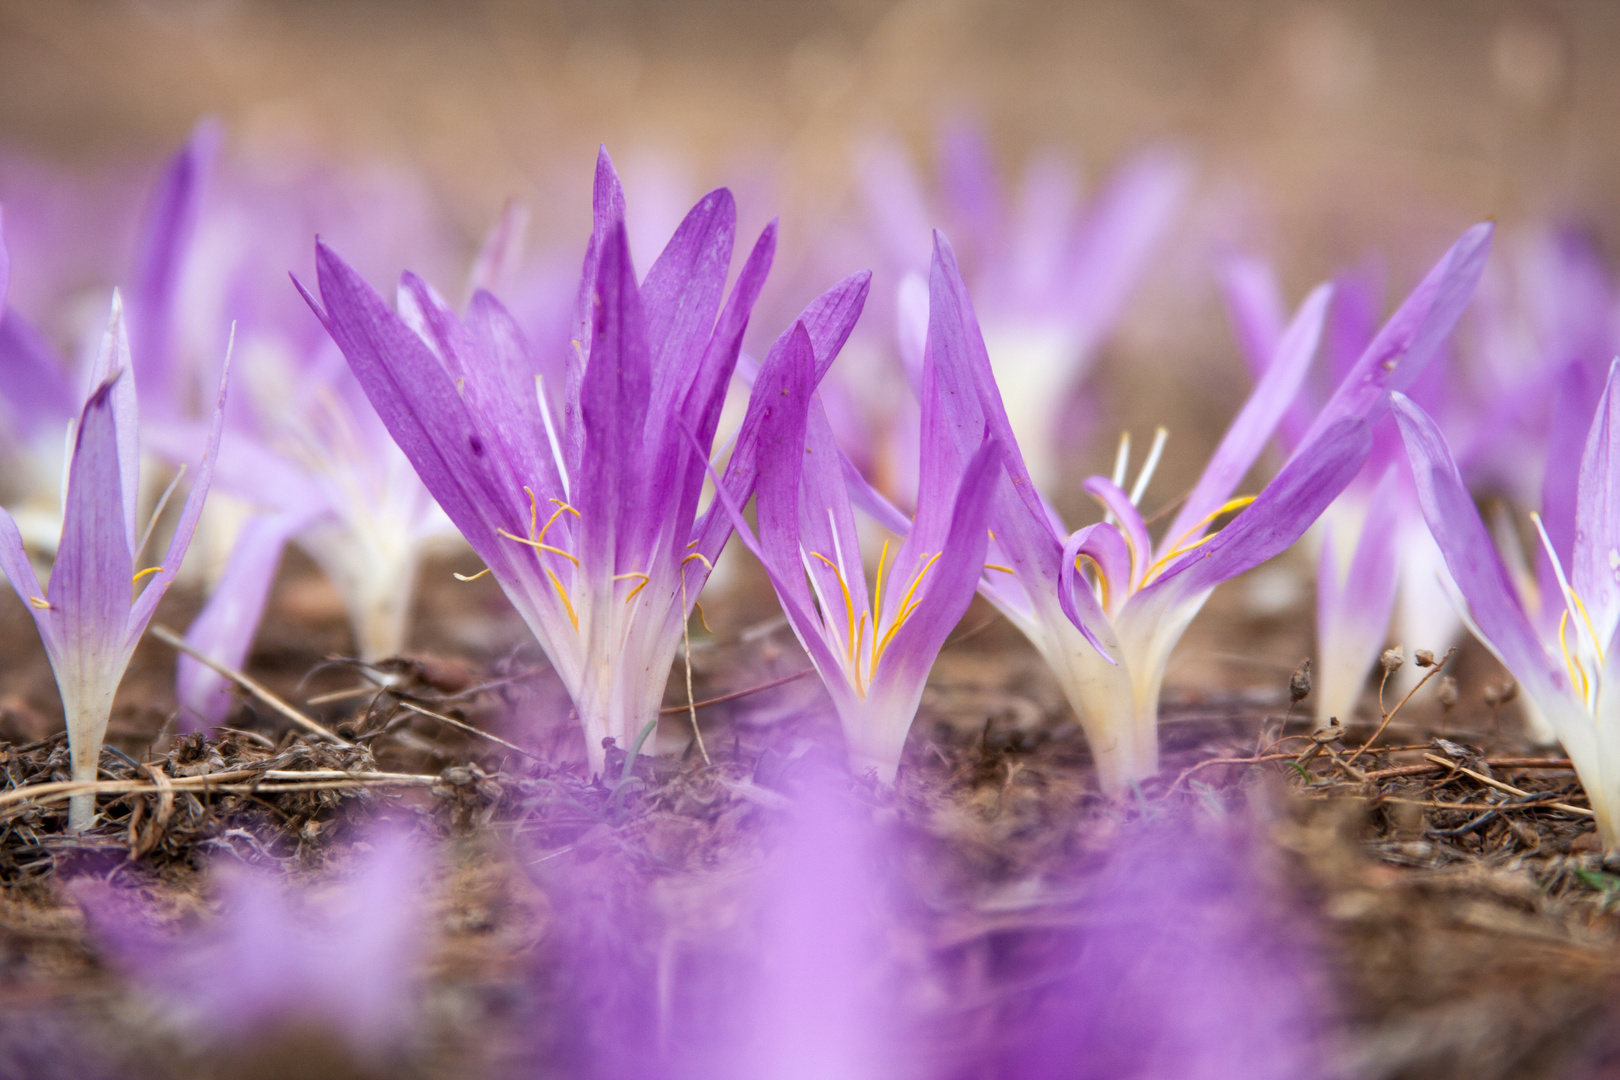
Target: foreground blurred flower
275	959
1107	629
874	651
1557	644
1187	963
586	514
96	608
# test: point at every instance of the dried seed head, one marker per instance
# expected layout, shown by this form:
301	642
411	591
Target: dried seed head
1299	683
1392	659
1424	658
1447	692
1501	693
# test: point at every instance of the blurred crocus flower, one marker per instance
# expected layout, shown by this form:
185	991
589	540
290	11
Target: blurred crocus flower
1107	628
1050	278
339	958
97	605
1376	555
584	507
1557	643
873	650
1187	962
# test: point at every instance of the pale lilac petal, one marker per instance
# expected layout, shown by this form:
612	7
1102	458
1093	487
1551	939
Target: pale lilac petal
1118	503
1254	425
1574	406
228	623
1472	559
171	222
500	253
1595	571
1352	614
1254	304
34	388
112	364
1398	355
913	327
19	573
1278	516
1105	546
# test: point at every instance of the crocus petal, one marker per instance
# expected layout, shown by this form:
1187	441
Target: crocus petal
1254	304
90	585
681	297
1278	516
1412	336
1353	609
37	392
1595	573
1470	556
1131	525
19	572
1104	545
227	624
171	222
1574	406
112	365
1254	425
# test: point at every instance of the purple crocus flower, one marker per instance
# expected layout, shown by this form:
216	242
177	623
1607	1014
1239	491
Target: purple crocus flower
275	956
1557	643
873	650
1107	629
1376	556
97	605
1051	278
584	507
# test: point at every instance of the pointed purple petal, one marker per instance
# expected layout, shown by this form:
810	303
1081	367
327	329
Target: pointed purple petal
1254	304
1595	570
1254	425
19	572
1398	355
1278	516
1470	555
35	390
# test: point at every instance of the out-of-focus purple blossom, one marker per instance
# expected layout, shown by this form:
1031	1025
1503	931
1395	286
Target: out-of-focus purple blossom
1188	961
341	957
872	648
97	605
1050	278
1559	644
1107	627
576	481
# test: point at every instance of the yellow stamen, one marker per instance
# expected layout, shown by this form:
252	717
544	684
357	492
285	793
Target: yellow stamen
877	589
642	584
1102	577
849	601
1182	547
906	609
998	566
40	602
1580	605
538	546
701	620
567	603
700	557
149	570
855	652
564	506
1577	673
464	577
534	509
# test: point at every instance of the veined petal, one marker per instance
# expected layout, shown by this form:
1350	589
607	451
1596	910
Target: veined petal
681	297
1281	513
1104	544
1595	572
1254	304
781	449
613	406
91	582
1474	564
1412	336
417	402
112	365
1253	428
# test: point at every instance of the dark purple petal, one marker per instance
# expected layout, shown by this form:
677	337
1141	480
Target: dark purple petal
681	297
